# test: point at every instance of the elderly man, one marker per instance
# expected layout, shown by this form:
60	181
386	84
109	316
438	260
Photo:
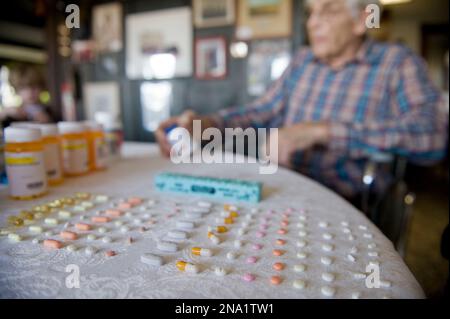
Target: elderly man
342	100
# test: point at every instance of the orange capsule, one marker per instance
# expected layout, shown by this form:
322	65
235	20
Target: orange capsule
282	231
83	226
100	219
278	266
277	252
110	253
280	242
68	235
124	206
54	244
134	201
275	280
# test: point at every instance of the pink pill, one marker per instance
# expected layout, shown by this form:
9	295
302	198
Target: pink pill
124	206
251	260
260	234
248	277
257	246
282	231
135	201
113	212
284	223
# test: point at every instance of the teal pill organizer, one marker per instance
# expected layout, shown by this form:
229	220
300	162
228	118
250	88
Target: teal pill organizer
229	190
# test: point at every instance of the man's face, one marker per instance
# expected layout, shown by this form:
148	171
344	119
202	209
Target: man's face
30	94
331	27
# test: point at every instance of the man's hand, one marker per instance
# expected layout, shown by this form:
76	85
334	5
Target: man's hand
298	137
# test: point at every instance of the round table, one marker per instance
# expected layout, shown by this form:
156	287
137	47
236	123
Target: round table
330	250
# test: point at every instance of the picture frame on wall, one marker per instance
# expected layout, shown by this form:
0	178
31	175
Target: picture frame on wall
263	19
101	98
107	27
211	58
214	13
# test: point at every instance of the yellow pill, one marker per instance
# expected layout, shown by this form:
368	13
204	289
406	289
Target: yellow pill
218	229
234	214
186	267
228	220
15	221
201	252
26	215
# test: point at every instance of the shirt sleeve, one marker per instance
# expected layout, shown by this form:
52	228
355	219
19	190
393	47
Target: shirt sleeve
418	132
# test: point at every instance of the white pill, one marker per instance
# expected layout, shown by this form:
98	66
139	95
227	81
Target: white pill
15	237
301	255
101	198
329	277
89	250
219	271
151	202
102	230
359	275
299	268
35	229
231	255
151	260
91	237
191	268
82	217
301	243
298	284
301	225
362	227
371	246
328	291
71	247
248	217
326	260
137	221
345	224
351	258
242	231
98	213
118	223
346	230
244	224
385	284
106	239
302	233
323	224
353	250
51	221
254	210
368	235
48	233
185	225
238	243
38	215
327	247
35	241
177	234
302	218
87	204
351	238
79	208
124	229
327	236
66	225
128	214
372	254
374	263
167	247
64	214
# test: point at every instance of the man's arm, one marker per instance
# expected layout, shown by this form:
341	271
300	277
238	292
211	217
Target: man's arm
420	130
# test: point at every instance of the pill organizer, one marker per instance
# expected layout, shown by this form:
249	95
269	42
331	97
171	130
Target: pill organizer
219	189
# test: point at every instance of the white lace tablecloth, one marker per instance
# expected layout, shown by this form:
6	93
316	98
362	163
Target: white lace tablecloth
29	270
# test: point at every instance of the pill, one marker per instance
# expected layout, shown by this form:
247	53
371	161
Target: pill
282	231
102	230
35	241
204	204
106	239
368	235
260	234
113	212
362	227
351	258
177	234
372	254
82	217
226	221
51	221
48	233
79	208
238	243
128	214
110	253
51	243
302	233
14	237
328	291
35	229
83	226
275	280
185	225
326	260
100	219
344	223
124	229
90	250
299	268
167	247
68	235
359	275
351	238
329	277
204	252
257	246
219	271
187	267
327	236
231	255
248	217
301	243
371	246
151	260
254	210
229	207
278	266
277	252
64	214
284	223
301	255
302	218
137	221
101	198
353	250
242	231
118	223
91	237
252	260
214	239
71	248
124	206
301	225
385	284
280	242
248	277
327	247
298	284
135	201
66	225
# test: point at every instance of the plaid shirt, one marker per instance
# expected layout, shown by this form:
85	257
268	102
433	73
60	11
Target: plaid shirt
382	101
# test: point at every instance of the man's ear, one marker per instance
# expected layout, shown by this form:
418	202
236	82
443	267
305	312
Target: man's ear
360	27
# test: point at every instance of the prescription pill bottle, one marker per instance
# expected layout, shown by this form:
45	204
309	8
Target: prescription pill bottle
24	161
52	153
98	149
74	146
113	134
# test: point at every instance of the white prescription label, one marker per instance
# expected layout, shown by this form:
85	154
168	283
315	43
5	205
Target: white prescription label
75	156
26	173
52	159
101	153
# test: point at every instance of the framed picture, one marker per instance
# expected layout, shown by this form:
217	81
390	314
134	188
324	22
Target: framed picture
159	44
214	13
101	98
210	58
259	19
107	27
156	99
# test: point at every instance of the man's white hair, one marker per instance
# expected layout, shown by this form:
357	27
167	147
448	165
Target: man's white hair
356	6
